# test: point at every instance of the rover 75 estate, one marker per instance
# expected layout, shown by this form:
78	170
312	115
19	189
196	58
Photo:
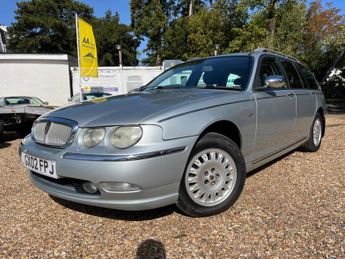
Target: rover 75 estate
187	138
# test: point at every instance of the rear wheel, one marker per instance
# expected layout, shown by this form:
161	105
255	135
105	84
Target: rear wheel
315	135
214	177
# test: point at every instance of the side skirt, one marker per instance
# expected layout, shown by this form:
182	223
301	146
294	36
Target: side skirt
273	155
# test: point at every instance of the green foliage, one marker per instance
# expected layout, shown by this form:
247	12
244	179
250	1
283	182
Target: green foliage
109	32
181	7
313	33
175	40
185	37
323	37
48	26
149	18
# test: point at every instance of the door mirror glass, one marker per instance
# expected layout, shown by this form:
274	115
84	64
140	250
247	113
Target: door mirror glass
275	81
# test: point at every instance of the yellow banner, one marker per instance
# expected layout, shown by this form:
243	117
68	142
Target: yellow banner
87	50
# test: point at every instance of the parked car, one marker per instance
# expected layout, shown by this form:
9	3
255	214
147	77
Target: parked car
188	137
87	97
17	113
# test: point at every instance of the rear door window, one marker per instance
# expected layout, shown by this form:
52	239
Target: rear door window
307	76
291	74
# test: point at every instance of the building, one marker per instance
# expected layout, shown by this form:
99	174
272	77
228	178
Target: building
115	80
3	38
55	78
44	76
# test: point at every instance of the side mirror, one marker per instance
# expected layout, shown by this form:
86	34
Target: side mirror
46	103
275	82
69	99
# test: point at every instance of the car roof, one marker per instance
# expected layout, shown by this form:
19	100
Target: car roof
256	53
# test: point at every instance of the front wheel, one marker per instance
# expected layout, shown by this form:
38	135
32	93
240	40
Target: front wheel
214	177
24	129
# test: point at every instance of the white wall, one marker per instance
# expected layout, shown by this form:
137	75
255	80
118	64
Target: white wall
115	78
46	78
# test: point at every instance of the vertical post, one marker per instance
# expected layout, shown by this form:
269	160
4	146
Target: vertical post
78	52
119	48
216	48
120	58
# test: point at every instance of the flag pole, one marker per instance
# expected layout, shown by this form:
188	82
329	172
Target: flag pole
78	51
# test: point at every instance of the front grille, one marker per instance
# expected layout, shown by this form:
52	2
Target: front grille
54	132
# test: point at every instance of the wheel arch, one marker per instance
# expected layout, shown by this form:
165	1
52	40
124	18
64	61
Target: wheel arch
321	111
226	128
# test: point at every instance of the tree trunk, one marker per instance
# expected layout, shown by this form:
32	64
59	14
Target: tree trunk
272	25
190	8
158	59
158	52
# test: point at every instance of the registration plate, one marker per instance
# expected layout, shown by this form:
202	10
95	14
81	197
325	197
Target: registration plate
40	165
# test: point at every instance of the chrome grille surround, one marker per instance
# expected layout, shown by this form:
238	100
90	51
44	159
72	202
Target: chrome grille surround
54	132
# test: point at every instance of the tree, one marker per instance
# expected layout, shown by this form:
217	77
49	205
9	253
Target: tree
188	7
315	35
46	26
149	18
175	40
262	24
214	25
109	32
324	37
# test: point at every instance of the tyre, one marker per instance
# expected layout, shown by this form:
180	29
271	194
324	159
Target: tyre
214	177
24	129
315	135
1	127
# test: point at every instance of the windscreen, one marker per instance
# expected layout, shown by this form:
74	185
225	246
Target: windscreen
231	72
23	100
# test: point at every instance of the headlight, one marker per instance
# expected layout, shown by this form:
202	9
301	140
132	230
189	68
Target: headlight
93	137
124	137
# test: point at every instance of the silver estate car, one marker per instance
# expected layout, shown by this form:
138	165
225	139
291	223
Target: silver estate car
188	137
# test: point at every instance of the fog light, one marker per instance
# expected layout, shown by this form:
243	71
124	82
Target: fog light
90	187
119	187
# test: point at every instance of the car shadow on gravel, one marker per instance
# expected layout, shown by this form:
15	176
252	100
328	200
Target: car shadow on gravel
141	215
261	168
117	214
5	138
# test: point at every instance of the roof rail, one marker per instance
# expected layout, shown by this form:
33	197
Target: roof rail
274	52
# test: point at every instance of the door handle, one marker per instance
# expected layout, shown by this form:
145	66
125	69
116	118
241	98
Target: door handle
291	95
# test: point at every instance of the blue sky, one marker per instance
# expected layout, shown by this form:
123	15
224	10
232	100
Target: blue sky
7	8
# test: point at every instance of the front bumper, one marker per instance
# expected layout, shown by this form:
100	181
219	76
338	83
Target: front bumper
157	172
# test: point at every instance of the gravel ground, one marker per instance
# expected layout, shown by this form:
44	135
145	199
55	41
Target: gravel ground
293	208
